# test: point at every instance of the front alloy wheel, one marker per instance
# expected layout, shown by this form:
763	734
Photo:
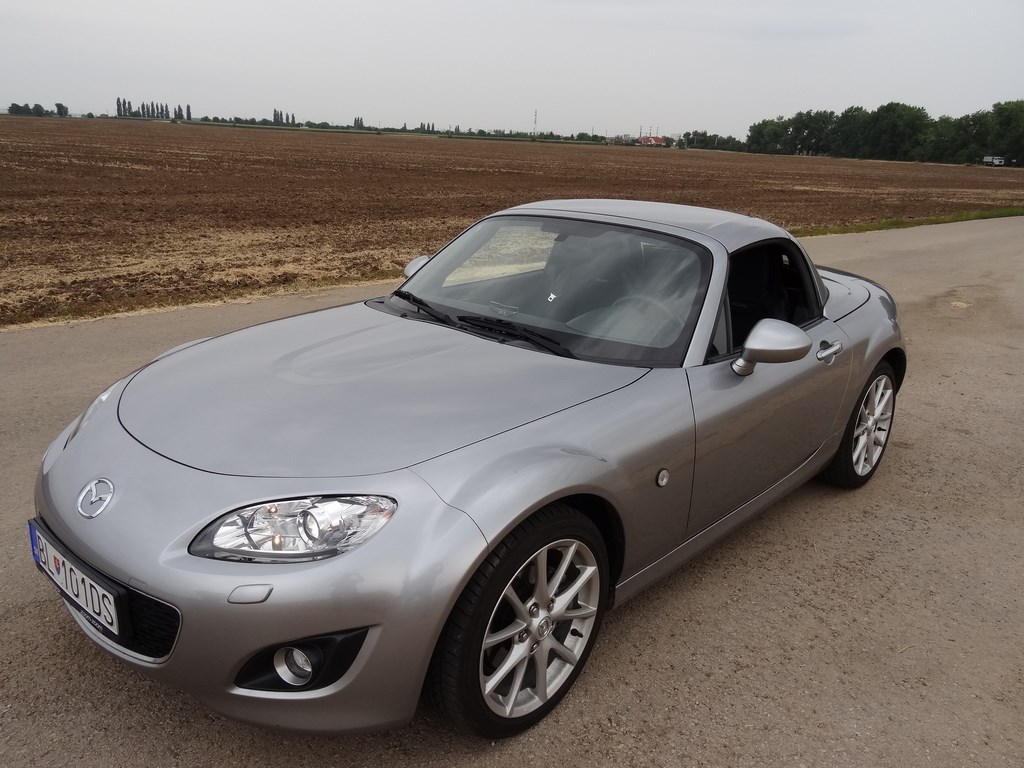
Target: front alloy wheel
524	626
867	432
874	418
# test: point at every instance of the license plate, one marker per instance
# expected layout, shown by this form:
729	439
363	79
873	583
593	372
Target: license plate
94	600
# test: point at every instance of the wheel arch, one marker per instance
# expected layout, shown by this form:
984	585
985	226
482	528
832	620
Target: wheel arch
600	511
897	359
606	517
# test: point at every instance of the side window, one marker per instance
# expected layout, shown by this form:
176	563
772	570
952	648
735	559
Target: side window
768	281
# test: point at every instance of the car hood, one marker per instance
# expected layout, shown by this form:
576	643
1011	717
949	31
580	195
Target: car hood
346	391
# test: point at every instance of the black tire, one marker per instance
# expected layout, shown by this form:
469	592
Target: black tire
850	467
527	634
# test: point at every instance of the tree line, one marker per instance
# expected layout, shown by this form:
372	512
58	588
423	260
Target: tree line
153	110
38	110
895	131
281	118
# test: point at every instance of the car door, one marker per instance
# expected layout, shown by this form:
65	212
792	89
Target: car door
752	431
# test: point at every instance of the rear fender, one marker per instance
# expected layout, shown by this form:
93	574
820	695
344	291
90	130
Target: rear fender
875	332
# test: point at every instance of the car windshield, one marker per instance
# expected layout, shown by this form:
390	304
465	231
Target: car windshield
602	292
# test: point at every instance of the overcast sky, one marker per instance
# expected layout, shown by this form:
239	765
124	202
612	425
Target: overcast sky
611	67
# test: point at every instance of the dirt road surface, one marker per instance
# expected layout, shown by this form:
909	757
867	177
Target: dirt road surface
875	628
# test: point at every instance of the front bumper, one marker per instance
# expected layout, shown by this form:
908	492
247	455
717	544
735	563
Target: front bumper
399	587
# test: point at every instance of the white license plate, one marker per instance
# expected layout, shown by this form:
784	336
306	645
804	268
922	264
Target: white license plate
96	602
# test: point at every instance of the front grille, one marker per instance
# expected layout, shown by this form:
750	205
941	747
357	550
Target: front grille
154	626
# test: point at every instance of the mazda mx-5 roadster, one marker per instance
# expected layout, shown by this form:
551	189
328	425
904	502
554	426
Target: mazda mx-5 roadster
313	522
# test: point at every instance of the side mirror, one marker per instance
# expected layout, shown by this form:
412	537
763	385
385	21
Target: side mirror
414	266
771	341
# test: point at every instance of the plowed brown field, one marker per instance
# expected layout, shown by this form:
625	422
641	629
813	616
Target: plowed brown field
100	216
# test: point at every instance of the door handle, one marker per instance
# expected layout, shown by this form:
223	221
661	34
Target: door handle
830	351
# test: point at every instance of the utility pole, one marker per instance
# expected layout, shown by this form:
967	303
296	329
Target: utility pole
535	123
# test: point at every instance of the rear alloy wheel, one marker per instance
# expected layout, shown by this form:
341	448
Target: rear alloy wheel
867	432
524	626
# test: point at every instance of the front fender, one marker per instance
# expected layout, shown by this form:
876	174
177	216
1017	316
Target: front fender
612	448
506	489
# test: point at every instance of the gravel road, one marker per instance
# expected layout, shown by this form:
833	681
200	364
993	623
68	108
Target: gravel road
880	627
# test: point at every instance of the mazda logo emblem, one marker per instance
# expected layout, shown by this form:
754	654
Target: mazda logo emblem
95	497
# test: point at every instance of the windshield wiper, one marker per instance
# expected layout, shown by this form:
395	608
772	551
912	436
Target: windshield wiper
424	306
516	331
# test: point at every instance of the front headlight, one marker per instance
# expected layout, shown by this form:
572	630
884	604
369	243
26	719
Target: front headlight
295	530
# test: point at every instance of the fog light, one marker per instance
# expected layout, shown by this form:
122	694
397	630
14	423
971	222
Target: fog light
293	666
305	664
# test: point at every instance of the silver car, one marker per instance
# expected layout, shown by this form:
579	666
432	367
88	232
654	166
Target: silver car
311	522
